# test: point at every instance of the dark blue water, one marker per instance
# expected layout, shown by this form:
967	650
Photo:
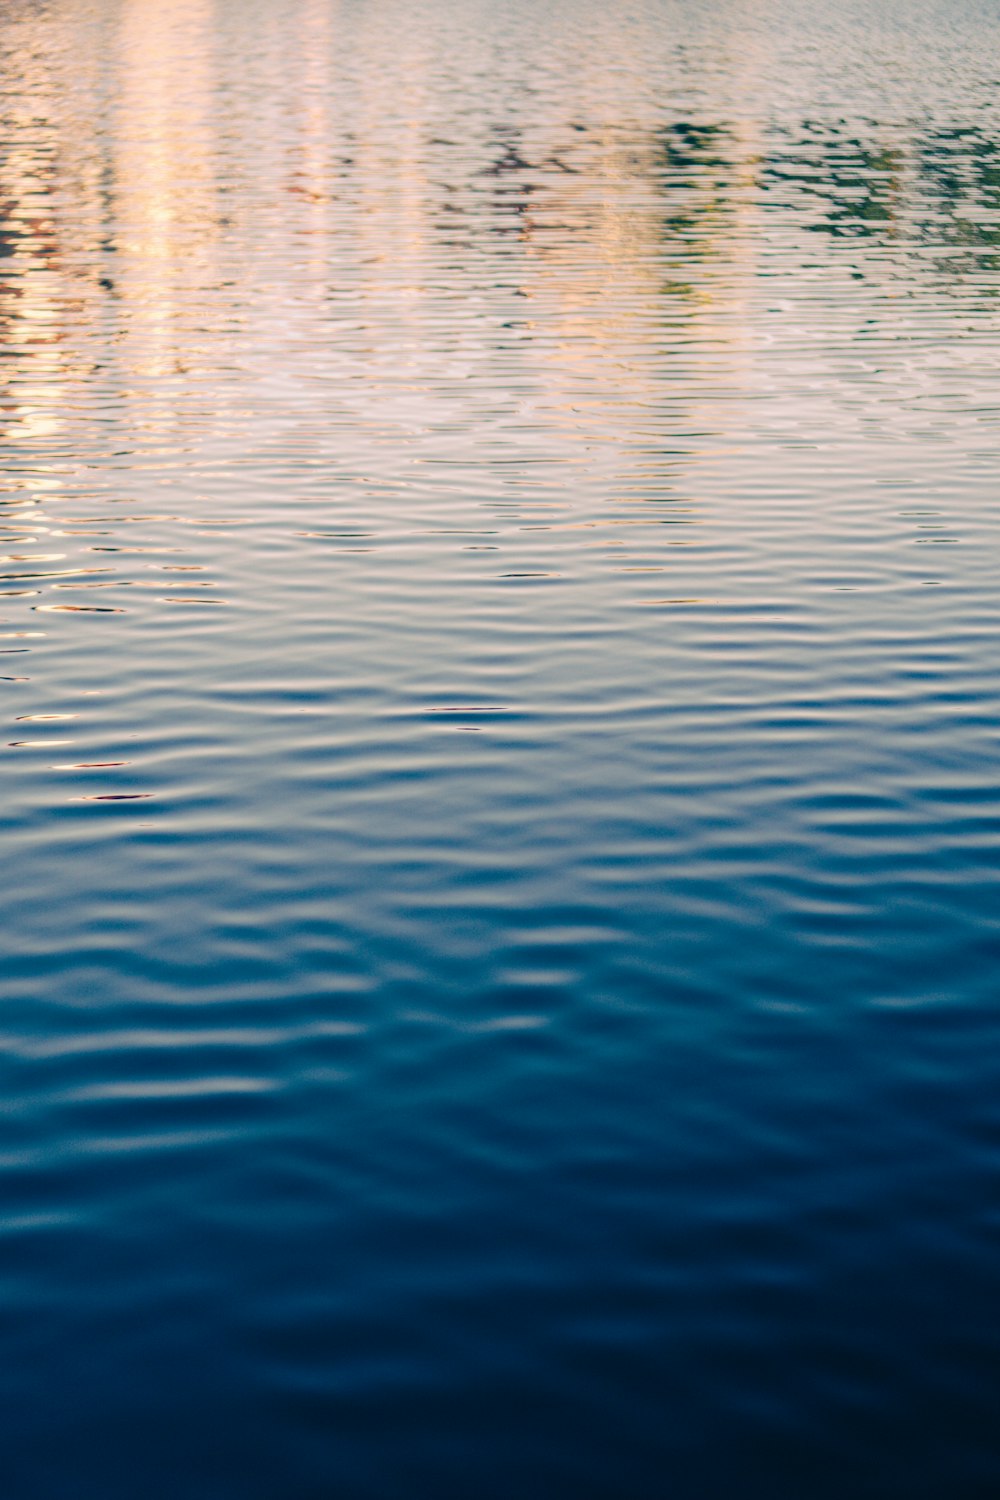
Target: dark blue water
501	771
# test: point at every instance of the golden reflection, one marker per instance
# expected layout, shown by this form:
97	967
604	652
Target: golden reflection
33	301
341	224
166	200
308	165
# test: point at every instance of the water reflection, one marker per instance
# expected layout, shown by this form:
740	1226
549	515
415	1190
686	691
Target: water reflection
170	266
497	630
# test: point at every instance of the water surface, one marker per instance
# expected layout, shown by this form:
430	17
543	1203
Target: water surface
501	759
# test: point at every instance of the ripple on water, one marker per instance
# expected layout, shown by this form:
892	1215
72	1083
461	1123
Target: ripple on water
499	978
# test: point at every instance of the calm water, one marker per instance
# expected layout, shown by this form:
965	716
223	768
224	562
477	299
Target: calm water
501	750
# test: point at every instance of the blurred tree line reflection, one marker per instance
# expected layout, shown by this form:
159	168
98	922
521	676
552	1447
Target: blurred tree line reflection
939	187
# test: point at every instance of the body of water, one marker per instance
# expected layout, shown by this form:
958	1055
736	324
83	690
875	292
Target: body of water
501	750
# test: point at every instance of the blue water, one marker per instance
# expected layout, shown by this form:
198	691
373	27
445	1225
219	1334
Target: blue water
502	750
